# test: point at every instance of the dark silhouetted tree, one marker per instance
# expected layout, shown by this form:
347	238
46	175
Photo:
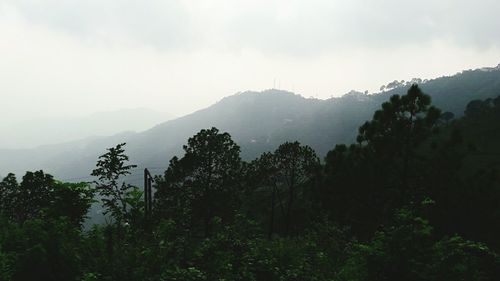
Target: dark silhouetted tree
204	181
287	171
396	131
9	189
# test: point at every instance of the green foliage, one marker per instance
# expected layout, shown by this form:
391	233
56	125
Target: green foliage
184	274
415	199
72	200
9	189
41	250
40	196
365	182
202	184
459	259
34	195
41	222
409	250
111	167
403	121
396	131
7	262
397	252
285	177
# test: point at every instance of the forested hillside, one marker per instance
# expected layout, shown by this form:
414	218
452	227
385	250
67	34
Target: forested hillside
414	196
258	122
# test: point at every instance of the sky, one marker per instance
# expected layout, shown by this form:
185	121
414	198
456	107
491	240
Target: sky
70	58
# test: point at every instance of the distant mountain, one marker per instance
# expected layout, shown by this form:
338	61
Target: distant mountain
257	121
55	130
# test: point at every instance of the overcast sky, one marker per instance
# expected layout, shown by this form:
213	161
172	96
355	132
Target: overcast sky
73	57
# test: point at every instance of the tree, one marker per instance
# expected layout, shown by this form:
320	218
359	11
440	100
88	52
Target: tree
397	130
264	174
285	172
35	195
72	200
111	167
385	170
296	165
403	121
9	187
39	195
347	191
204	181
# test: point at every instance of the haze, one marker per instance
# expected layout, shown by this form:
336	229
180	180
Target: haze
74	58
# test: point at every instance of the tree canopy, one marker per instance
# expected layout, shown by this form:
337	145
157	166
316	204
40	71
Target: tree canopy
415	198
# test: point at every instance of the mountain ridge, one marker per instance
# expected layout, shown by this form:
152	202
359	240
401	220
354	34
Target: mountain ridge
257	121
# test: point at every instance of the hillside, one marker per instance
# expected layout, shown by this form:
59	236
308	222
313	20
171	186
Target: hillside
257	121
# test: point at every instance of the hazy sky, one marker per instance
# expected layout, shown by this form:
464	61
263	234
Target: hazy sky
75	57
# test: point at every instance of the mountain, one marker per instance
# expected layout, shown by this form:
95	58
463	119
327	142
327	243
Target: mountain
257	121
55	130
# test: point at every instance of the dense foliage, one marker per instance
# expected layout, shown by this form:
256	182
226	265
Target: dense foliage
415	198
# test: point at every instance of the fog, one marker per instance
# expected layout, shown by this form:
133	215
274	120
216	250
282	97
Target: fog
30	133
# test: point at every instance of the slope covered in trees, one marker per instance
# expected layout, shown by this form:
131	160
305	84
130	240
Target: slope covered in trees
414	197
258	122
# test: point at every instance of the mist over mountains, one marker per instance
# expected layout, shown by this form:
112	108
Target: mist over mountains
257	121
55	130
